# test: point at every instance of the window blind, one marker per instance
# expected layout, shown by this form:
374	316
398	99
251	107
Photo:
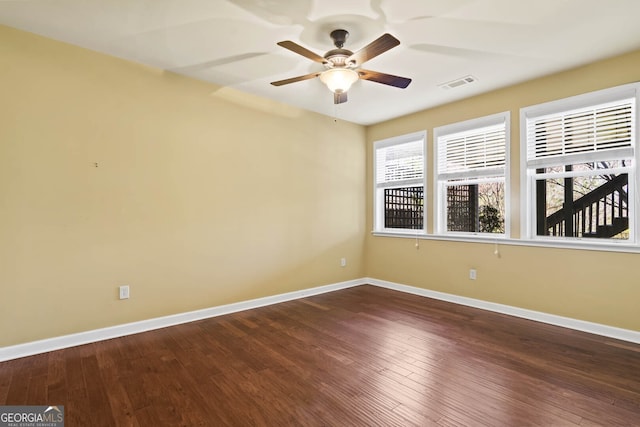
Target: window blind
400	162
477	151
591	133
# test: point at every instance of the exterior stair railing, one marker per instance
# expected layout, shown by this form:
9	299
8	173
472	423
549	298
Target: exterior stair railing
601	213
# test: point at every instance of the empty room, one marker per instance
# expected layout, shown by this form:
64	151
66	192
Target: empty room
306	213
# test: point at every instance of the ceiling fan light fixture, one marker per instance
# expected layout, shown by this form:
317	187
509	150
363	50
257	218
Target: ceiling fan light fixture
339	80
342	66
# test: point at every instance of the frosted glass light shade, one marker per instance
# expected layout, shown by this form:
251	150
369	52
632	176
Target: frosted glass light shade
339	80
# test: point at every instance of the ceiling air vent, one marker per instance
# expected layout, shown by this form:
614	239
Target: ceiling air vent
458	82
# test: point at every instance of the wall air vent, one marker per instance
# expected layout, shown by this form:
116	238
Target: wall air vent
458	82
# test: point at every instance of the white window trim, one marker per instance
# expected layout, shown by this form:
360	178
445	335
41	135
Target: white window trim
440	206
494	244
527	205
378	208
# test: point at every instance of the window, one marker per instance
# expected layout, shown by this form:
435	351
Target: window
470	176
579	160
399	165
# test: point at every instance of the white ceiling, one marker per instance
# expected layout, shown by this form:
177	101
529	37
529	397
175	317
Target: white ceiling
233	42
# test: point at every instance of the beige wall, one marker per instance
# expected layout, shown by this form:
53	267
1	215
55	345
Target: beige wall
600	287
200	196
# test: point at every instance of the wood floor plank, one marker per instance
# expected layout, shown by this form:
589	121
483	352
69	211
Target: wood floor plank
362	356
17	376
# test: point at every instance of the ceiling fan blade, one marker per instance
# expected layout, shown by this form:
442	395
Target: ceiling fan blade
373	49
386	79
339	98
295	79
296	48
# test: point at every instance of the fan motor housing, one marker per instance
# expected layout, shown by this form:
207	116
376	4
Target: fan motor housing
337	57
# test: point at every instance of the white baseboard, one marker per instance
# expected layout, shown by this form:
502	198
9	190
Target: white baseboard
57	343
565	322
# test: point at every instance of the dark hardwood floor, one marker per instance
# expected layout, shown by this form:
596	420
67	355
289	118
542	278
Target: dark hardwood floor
364	356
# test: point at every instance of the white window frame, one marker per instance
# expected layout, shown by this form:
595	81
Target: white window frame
441	177
527	165
378	188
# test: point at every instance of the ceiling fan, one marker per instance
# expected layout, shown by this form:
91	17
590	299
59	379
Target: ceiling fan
343	66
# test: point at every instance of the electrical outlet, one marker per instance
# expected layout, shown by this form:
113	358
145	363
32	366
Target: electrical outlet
124	292
343	262
472	274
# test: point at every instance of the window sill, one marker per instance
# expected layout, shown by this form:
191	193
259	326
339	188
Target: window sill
576	244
